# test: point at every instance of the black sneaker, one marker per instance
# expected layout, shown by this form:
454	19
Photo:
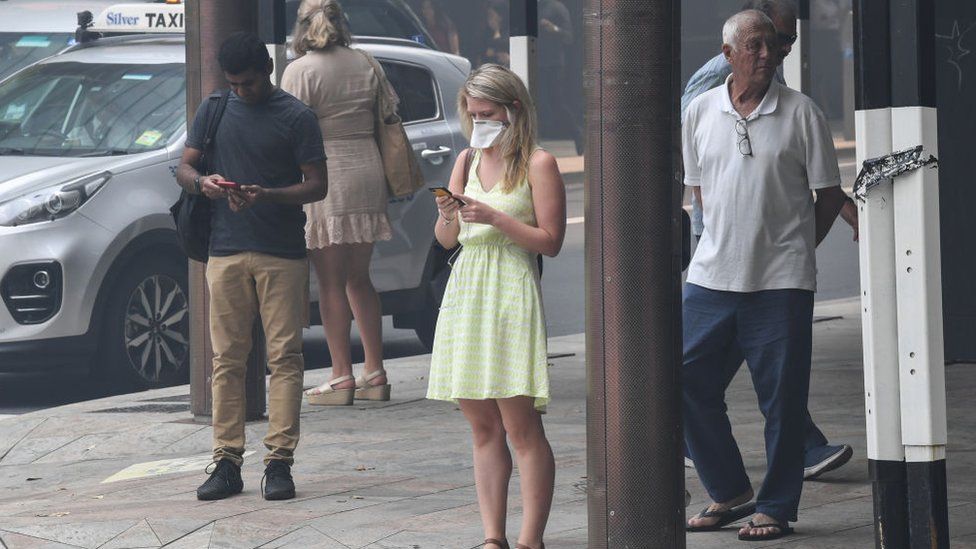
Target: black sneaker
224	481
277	483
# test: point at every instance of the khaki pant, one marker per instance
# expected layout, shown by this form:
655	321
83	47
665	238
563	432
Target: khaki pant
241	287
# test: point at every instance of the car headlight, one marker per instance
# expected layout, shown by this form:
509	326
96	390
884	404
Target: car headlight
52	202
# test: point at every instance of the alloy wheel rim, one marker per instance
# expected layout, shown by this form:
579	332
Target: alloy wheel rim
156	328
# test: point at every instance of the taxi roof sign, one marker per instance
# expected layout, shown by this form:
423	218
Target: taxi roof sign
140	18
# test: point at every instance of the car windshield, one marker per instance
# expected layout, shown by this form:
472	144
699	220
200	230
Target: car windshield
18	49
91	109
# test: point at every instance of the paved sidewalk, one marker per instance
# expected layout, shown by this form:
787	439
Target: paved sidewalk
398	474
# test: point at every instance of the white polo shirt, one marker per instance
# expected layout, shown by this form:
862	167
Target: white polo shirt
758	210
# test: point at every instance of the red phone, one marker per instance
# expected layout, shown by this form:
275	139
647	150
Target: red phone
228	185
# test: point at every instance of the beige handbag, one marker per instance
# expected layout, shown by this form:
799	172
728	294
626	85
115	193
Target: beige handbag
403	175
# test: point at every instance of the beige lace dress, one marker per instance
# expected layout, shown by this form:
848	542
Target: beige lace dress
341	86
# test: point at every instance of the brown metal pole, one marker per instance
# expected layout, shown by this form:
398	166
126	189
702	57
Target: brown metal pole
633	267
208	23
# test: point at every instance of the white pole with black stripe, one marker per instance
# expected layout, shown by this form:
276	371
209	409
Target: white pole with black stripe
918	267
879	316
523	33
796	66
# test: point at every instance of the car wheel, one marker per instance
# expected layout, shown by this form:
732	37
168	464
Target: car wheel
146	341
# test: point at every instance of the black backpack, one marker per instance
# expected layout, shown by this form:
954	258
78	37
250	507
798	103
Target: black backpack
192	211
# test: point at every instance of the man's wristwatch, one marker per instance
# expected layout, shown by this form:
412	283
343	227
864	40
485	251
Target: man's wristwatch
196	184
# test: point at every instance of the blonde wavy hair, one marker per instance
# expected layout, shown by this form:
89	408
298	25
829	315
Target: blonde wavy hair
495	83
320	24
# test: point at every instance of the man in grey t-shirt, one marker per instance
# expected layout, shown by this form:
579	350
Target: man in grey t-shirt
270	145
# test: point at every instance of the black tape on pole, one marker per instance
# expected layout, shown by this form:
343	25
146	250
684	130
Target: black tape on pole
803	10
271	21
928	517
872	55
912	53
890	491
523	16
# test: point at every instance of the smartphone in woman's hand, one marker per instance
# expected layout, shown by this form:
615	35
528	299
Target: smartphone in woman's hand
444	191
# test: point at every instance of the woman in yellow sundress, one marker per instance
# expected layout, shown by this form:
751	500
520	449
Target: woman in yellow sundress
490	344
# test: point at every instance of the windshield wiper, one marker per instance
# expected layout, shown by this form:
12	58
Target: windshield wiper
11	151
105	152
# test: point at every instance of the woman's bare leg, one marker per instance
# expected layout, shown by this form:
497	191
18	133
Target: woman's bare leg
331	269
536	465
366	309
492	463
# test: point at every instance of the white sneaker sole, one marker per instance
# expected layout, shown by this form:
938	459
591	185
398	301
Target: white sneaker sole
829	464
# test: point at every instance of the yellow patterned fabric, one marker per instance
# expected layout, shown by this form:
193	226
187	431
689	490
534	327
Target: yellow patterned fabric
490	340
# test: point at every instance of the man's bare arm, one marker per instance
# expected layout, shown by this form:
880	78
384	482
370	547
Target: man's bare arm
188	172
828	205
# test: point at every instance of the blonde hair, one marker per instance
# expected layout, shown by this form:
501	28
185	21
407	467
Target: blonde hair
499	85
320	24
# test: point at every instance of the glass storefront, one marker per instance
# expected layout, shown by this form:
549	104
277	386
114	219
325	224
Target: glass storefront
478	30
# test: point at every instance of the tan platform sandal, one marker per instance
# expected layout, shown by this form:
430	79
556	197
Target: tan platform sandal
502	543
521	546
327	395
365	391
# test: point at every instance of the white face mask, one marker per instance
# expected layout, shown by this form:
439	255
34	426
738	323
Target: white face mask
485	133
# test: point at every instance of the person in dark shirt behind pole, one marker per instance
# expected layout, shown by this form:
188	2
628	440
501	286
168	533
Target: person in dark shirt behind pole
555	39
440	27
495	35
270	143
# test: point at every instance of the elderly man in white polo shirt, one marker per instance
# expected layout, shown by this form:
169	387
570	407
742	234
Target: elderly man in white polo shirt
819	456
756	151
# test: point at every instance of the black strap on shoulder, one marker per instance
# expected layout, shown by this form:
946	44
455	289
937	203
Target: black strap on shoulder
468	159
216	104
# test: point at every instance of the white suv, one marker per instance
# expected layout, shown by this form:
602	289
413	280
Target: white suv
89	265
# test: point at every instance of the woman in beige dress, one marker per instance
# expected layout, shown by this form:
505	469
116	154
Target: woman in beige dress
341	85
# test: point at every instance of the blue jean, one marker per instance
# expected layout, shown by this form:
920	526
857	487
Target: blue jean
813	437
773	331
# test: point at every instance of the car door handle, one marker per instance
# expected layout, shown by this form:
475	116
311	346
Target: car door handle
435	155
